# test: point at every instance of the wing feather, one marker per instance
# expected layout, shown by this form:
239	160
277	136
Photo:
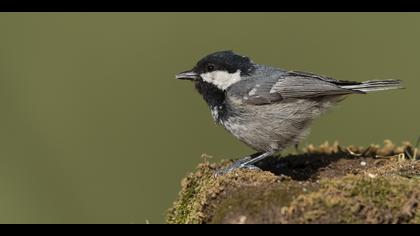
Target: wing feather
293	84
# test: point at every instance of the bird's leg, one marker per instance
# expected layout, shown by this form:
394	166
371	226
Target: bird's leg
297	147
244	163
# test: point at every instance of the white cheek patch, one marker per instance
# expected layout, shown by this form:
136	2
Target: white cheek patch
222	79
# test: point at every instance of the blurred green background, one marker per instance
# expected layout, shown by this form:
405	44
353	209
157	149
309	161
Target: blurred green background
95	129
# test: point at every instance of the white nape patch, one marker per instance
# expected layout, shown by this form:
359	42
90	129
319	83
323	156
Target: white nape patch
215	113
222	79
252	92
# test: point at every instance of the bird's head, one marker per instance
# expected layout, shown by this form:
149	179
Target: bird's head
221	69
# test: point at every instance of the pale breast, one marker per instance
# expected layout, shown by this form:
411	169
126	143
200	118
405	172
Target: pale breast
273	127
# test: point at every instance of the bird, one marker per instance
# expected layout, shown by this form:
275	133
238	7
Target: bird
265	107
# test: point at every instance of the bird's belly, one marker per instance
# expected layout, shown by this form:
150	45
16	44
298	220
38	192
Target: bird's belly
264	135
273	127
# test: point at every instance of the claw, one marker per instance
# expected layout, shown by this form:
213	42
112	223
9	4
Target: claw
235	166
239	164
245	163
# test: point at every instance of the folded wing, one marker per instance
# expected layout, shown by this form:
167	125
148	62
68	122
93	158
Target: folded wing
297	85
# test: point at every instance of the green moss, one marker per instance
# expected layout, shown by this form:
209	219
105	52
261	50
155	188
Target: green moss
358	199
188	208
323	185
257	204
350	199
196	200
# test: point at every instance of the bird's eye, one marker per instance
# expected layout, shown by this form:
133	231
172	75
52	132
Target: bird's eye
210	67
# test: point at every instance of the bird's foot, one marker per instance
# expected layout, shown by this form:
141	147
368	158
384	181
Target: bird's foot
239	164
245	163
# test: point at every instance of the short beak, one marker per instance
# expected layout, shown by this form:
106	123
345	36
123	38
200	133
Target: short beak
187	75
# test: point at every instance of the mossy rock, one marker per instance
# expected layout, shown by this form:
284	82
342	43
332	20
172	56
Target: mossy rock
326	184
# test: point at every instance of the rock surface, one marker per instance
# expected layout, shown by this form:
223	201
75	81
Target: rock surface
325	184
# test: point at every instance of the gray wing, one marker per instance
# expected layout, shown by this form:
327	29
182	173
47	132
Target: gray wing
292	84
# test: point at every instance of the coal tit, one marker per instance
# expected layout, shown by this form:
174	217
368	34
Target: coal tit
268	108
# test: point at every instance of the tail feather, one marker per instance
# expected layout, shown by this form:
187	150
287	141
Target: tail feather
375	85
